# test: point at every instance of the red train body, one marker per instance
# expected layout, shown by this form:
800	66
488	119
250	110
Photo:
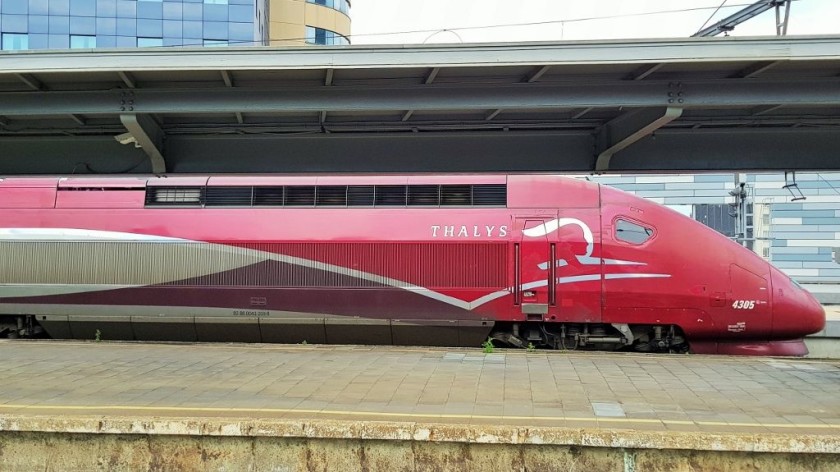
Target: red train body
427	260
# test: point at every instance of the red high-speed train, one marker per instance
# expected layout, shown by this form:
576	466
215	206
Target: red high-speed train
420	259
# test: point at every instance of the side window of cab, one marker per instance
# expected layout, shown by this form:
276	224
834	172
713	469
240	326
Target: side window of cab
632	232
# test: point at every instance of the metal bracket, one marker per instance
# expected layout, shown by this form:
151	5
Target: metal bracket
792	187
630	127
148	135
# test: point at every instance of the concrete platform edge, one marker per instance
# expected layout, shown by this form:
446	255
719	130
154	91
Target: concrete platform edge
426	432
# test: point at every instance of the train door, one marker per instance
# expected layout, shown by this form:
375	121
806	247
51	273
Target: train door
534	286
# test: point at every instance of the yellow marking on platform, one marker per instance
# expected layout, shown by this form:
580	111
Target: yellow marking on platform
199	409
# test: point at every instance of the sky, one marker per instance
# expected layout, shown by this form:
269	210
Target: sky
471	21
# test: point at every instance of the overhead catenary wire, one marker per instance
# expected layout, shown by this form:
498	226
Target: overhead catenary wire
713	14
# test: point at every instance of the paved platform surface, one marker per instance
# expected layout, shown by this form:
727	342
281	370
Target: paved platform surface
680	393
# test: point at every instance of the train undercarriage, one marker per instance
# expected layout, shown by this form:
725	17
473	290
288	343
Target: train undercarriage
13	327
591	336
560	336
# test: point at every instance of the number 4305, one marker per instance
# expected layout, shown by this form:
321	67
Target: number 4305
743	304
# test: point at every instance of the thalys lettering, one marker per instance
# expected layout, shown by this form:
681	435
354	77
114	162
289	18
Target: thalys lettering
473	231
267	259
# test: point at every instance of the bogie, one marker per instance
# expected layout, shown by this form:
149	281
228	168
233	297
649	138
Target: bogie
592	336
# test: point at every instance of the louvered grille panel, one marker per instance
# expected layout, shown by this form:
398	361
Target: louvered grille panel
300	196
229	196
360	195
455	195
489	195
175	196
346	265
390	195
332	195
494	195
423	195
268	196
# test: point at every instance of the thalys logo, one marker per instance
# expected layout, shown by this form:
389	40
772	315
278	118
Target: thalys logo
586	259
472	231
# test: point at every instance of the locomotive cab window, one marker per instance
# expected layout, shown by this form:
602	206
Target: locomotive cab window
632	233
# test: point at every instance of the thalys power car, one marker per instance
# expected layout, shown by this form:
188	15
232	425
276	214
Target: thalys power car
418	259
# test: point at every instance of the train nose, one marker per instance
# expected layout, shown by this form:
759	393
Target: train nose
796	313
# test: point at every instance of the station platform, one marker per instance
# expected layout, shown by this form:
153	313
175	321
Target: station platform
111	406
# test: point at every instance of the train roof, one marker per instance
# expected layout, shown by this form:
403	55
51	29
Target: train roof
121	181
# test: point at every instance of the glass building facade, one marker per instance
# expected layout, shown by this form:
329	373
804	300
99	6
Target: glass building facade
62	24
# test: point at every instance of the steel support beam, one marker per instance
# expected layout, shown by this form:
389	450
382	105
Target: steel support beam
629	128
127	79
631	94
755	69
30	81
759	111
492	114
376	56
148	135
536	74
432	75
644	71
328	77
78	119
226	78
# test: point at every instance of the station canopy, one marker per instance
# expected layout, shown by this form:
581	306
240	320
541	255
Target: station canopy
693	105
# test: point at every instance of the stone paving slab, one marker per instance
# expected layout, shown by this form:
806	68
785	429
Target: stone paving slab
600	393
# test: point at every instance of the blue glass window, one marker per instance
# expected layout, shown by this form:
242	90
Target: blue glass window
106	41
106	26
194	29
39	7
242	13
83	25
172	42
59	7
215	12
215	42
39	24
193	11
82	42
126	27
14	24
38	41
106	8
15	41
150	28
172	29
126	42
59	41
215	30
59	25
216	2
173	11
325	37
149	42
14	7
341	5
150	10
242	33
83	7
126	9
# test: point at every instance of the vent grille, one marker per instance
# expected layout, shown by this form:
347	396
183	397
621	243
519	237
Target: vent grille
175	196
229	196
485	195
